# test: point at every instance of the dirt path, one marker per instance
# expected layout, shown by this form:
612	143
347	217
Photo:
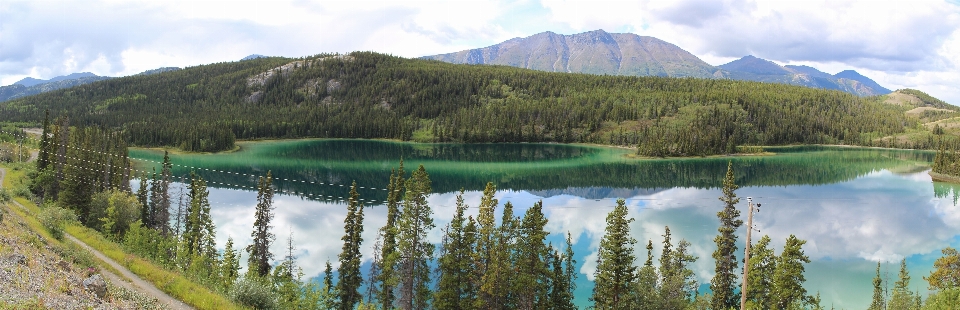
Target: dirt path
134	283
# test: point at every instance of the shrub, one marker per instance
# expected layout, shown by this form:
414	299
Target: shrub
55	218
4	195
253	294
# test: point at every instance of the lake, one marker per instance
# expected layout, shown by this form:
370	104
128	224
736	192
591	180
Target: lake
853	206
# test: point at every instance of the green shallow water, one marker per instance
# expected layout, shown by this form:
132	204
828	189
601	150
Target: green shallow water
854	206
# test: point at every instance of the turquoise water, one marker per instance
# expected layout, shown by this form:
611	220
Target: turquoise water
853	206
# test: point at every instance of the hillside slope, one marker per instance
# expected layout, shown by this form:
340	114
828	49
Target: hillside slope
369	95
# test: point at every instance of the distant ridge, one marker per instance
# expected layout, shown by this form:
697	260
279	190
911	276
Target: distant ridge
595	52
31	86
252	57
600	52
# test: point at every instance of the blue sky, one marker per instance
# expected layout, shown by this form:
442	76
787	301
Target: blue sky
899	44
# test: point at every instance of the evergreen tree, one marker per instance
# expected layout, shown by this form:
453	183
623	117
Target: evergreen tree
161	208
350	279
259	251
486	246
198	235
570	267
532	277
388	254
327	289
763	265
286	280
902	298
647	297
154	209
415	252
43	157
946	273
229	265
677	284
143	198
496	283
616	275
724	282
878	302
453	287
788	279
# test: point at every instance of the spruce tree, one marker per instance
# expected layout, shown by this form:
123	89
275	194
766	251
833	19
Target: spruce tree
259	251
454	264
161	209
350	279
724	282
154	202
570	267
198	235
486	246
327	289
788	279
616	276
229	265
647	296
143	198
902	298
878	302
496	282
532	277
763	265
412	245
677	284
388	253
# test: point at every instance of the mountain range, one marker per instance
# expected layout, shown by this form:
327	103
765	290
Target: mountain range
31	86
603	53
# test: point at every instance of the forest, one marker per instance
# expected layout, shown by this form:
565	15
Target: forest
369	95
82	174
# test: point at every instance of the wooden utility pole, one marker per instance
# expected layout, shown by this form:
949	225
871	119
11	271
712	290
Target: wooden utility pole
746	255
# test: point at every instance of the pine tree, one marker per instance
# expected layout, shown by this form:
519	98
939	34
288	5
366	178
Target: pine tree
763	265
902	298
350	279
388	254
946	273
724	282
454	264
329	302
496	281
570	267
878	302
259	251
412	246
616	276
532	277
677	284
788	279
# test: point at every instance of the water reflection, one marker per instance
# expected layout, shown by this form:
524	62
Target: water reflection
853	206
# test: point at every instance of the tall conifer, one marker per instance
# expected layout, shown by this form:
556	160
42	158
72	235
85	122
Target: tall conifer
388	252
616	276
415	251
350	279
259	251
724	282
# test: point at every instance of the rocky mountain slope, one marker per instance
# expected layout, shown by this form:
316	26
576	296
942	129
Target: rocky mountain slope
603	53
595	52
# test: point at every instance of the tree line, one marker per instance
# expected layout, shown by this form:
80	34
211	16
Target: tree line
481	263
369	95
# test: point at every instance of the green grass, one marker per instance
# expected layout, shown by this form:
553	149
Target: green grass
172	283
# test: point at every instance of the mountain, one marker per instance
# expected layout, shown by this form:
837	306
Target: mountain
369	95
751	68
594	52
603	53
252	57
31	86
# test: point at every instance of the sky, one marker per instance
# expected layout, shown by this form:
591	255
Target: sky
899	44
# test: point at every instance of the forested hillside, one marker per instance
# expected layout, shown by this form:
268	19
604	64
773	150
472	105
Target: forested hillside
369	95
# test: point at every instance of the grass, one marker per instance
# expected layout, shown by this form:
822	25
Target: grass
172	283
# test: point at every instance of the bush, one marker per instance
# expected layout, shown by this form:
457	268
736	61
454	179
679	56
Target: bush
253	294
55	218
4	195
